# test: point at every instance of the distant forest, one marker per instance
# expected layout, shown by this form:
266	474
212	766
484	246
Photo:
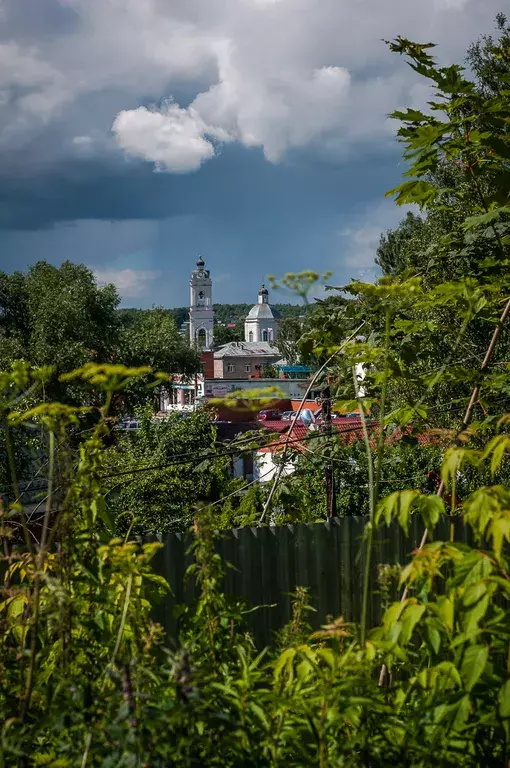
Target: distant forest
224	313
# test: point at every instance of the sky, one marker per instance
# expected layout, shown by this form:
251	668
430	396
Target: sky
137	134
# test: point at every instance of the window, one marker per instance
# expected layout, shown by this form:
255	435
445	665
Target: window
250	336
202	337
248	367
264	335
231	368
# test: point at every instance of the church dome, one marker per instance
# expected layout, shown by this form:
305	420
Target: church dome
263	312
261	322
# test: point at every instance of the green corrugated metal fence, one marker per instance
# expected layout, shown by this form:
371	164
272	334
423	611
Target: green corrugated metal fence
268	563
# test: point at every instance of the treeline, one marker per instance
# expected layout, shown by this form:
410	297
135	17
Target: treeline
224	313
60	317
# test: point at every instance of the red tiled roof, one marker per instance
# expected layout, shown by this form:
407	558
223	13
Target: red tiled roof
300	431
350	429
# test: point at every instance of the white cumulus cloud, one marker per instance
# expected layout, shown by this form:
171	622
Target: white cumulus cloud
172	138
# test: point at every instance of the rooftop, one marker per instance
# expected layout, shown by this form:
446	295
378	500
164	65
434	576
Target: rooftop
263	312
349	430
246	349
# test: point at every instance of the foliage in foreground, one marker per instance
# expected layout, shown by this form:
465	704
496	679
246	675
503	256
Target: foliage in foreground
86	678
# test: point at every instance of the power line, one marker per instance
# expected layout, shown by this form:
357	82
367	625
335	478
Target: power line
272	439
188	458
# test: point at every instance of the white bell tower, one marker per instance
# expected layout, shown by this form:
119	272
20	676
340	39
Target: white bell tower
201	312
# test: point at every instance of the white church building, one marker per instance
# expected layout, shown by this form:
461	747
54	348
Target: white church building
233	366
260	325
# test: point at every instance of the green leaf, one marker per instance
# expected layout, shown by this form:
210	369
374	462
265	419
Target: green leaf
409	620
462	714
497	446
455	459
421	193
433	637
259	713
397	505
98	508
284	661
431	509
474	616
475	221
473	594
409	116
473	665
504	700
445	611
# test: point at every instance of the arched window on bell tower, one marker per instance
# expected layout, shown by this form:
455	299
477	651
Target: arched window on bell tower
264	335
202	337
250	336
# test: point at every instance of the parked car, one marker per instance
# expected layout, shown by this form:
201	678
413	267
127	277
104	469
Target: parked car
269	415
129	425
287	415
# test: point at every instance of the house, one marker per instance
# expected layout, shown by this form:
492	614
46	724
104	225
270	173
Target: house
244	359
296	439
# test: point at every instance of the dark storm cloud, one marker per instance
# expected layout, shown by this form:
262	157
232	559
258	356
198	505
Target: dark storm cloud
29	21
311	90
237	184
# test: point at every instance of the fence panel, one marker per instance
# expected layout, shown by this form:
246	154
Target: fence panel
265	565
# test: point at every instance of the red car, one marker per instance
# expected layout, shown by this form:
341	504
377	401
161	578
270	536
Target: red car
269	415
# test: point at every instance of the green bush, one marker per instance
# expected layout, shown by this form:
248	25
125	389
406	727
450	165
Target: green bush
86	677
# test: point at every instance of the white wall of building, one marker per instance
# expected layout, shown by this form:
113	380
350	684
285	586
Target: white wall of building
260	329
264	466
293	389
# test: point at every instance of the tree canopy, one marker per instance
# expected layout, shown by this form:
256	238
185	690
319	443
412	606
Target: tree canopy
165	497
59	316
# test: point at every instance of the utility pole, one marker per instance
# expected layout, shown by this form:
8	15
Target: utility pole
327	429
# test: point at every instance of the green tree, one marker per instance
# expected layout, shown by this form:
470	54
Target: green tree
489	59
328	323
224	335
399	248
290	330
418	242
57	316
153	339
170	480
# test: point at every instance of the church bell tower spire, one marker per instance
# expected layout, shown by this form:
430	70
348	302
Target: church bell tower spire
201	312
